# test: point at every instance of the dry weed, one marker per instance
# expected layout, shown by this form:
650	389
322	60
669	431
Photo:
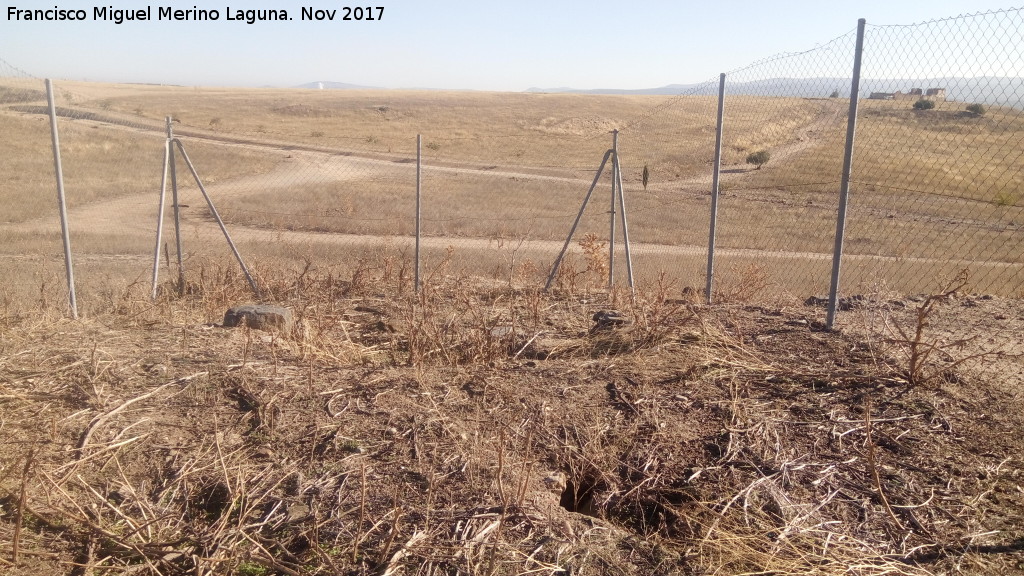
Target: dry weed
932	358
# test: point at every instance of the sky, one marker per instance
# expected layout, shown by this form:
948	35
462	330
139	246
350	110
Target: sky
481	45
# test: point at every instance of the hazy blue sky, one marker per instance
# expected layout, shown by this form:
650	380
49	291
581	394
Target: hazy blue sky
483	45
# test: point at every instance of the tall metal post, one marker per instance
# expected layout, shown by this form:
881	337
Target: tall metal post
844	191
611	211
715	174
419	215
622	210
177	208
61	204
160	218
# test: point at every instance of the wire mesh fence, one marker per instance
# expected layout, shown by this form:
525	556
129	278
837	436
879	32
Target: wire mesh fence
939	156
787	110
329	178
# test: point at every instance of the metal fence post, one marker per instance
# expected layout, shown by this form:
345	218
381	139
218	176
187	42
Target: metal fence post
177	208
716	172
611	211
61	204
160	215
844	191
419	215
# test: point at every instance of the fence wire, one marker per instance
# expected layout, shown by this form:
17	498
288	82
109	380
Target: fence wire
777	219
938	185
328	178
29	246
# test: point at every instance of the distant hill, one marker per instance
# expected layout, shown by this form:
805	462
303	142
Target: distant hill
670	89
984	89
991	90
335	86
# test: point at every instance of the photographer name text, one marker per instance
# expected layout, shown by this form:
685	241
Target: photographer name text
194	14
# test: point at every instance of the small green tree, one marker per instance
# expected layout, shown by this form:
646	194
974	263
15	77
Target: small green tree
759	158
923	104
976	109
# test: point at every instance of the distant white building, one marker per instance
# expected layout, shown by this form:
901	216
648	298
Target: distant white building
914	94
319	85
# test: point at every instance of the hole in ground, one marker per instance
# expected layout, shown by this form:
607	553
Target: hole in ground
646	513
578	495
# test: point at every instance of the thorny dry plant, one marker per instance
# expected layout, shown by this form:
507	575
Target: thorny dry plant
930	357
743	285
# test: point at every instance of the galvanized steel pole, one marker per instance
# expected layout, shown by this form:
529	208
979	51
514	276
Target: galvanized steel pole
177	208
419	215
160	216
61	204
844	191
715	174
611	211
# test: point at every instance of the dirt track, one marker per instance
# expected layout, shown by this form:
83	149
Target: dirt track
133	216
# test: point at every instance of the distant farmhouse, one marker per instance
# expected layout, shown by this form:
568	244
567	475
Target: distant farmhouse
914	94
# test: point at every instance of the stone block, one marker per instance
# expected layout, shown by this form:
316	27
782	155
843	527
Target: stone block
259	317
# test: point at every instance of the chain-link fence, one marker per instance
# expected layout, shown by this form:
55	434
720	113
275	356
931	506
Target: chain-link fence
938	183
329	177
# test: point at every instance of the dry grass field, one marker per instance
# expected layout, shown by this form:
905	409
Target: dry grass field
932	190
483	426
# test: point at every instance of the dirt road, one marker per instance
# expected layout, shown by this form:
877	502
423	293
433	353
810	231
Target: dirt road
133	217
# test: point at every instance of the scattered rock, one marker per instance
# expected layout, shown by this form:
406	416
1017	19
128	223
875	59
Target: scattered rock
844	304
816	301
296	513
555	482
609	319
259	317
502	332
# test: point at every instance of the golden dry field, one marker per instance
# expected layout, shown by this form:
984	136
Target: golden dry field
482	425
933	191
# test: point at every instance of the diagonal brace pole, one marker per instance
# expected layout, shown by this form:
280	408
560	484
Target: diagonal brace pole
216	215
625	227
579	216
